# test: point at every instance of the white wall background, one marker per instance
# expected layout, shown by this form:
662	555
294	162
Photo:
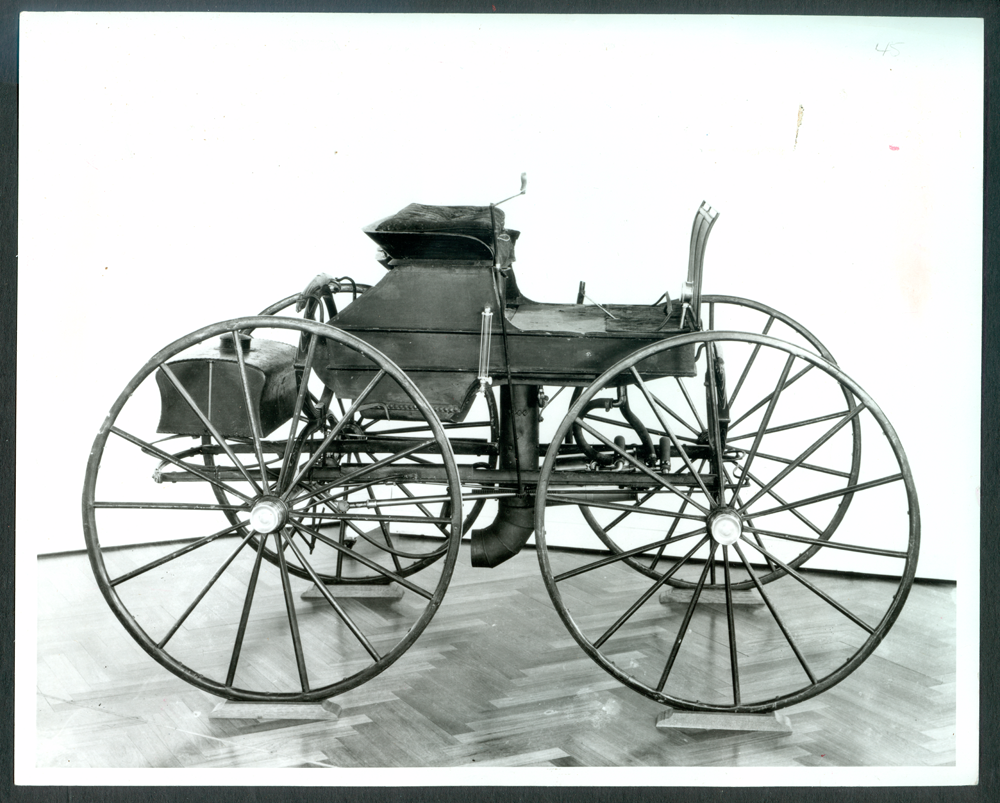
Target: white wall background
177	170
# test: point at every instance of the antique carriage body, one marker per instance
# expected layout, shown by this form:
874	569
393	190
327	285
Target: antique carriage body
709	449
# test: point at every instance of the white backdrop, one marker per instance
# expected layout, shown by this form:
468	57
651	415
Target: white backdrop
177	170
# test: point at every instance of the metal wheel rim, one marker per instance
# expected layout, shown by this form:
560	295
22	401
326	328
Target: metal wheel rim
125	616
891	613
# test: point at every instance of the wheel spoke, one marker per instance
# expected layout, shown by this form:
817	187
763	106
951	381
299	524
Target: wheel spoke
817	591
338	609
637	464
597	564
569	499
333	433
148	447
713	415
363	560
687	619
795	512
252	412
647	594
815	445
208	424
774	613
763	427
637	506
887	553
731	622
765	400
300	399
176	554
670	532
749	520
809	466
293	620
207	587
651	400
245	615
421	507
384	527
676	417
360	472
851	489
687	396
785	427
749	365
165	506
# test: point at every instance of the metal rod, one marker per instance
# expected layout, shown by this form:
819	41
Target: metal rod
175	554
363	560
774	613
763	426
749	365
798	424
252	412
646	595
731	622
764	401
164	506
660	478
245	614
597	564
293	620
300	398
817	591
651	398
687	620
816	444
148	447
333	433
205	590
888	553
338	609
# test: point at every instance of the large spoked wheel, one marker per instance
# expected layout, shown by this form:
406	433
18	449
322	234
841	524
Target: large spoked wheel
688	416
323	408
740	517
211	589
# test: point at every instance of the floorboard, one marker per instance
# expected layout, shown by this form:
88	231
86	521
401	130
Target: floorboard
495	680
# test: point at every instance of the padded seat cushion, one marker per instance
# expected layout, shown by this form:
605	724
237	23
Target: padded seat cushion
473	221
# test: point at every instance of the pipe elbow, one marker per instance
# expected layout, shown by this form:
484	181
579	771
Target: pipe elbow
506	535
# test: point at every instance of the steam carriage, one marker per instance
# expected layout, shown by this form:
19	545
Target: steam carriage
697	497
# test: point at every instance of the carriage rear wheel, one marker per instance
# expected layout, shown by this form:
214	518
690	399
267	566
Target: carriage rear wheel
184	569
744	645
689	417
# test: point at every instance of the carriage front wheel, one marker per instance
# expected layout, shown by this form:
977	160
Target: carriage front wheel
731	511
216	494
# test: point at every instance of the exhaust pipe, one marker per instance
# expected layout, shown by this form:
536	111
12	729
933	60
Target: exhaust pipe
507	534
515	519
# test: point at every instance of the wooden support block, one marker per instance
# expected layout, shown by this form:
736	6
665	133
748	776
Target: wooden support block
709	596
722	720
391	591
231	709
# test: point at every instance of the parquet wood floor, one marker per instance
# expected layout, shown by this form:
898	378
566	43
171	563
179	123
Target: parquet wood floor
494	681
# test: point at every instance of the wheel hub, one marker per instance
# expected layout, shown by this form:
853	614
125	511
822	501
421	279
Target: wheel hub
268	514
726	526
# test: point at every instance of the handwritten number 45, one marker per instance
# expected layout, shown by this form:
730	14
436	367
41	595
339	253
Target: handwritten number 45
890	46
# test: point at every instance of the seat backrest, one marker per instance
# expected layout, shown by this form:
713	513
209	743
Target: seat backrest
704	219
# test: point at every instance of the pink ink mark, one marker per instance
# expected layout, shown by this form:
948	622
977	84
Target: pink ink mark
893	147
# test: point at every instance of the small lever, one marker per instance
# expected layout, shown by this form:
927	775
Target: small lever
524	187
